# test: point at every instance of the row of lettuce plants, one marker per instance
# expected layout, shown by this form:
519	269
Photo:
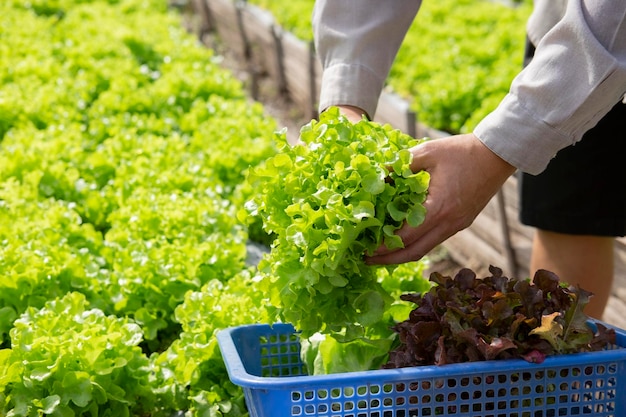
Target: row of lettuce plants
122	158
124	148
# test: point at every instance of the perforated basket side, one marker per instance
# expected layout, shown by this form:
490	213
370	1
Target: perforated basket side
533	393
274	380
261	351
259	358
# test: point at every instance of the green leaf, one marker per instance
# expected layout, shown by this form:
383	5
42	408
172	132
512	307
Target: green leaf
391	239
364	209
373	183
338	281
40	374
370	307
282	161
361	163
50	403
575	320
327	355
12	368
416	215
396	213
77	388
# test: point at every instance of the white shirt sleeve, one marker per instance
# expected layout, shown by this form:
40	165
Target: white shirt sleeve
546	14
578	73
356	42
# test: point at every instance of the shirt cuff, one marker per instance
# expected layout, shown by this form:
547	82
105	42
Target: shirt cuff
350	84
514	134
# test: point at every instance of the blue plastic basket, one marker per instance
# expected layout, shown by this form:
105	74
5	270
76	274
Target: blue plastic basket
265	361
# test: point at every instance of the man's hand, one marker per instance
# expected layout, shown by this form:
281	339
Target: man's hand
464	176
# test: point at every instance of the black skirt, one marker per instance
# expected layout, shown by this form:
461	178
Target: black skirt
583	189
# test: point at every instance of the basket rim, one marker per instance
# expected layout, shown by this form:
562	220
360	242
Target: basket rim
240	376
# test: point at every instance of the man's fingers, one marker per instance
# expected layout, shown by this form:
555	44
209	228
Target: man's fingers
412	251
464	176
417	243
408	235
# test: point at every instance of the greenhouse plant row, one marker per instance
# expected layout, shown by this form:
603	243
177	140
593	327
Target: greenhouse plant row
124	152
130	196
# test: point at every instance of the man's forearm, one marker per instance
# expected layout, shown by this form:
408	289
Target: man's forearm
357	41
577	75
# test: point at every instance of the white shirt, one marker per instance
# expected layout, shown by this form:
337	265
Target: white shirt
577	75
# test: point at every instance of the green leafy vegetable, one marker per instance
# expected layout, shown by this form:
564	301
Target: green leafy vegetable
123	149
191	373
324	354
328	202
69	360
341	194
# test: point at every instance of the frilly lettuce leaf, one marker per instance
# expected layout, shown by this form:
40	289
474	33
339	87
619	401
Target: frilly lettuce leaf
338	195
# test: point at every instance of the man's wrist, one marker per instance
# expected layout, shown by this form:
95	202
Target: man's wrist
353	113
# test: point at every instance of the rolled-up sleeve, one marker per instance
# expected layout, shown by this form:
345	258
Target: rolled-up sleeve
356	42
577	75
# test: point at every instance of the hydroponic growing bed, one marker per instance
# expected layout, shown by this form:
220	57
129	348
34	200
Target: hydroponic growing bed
265	361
